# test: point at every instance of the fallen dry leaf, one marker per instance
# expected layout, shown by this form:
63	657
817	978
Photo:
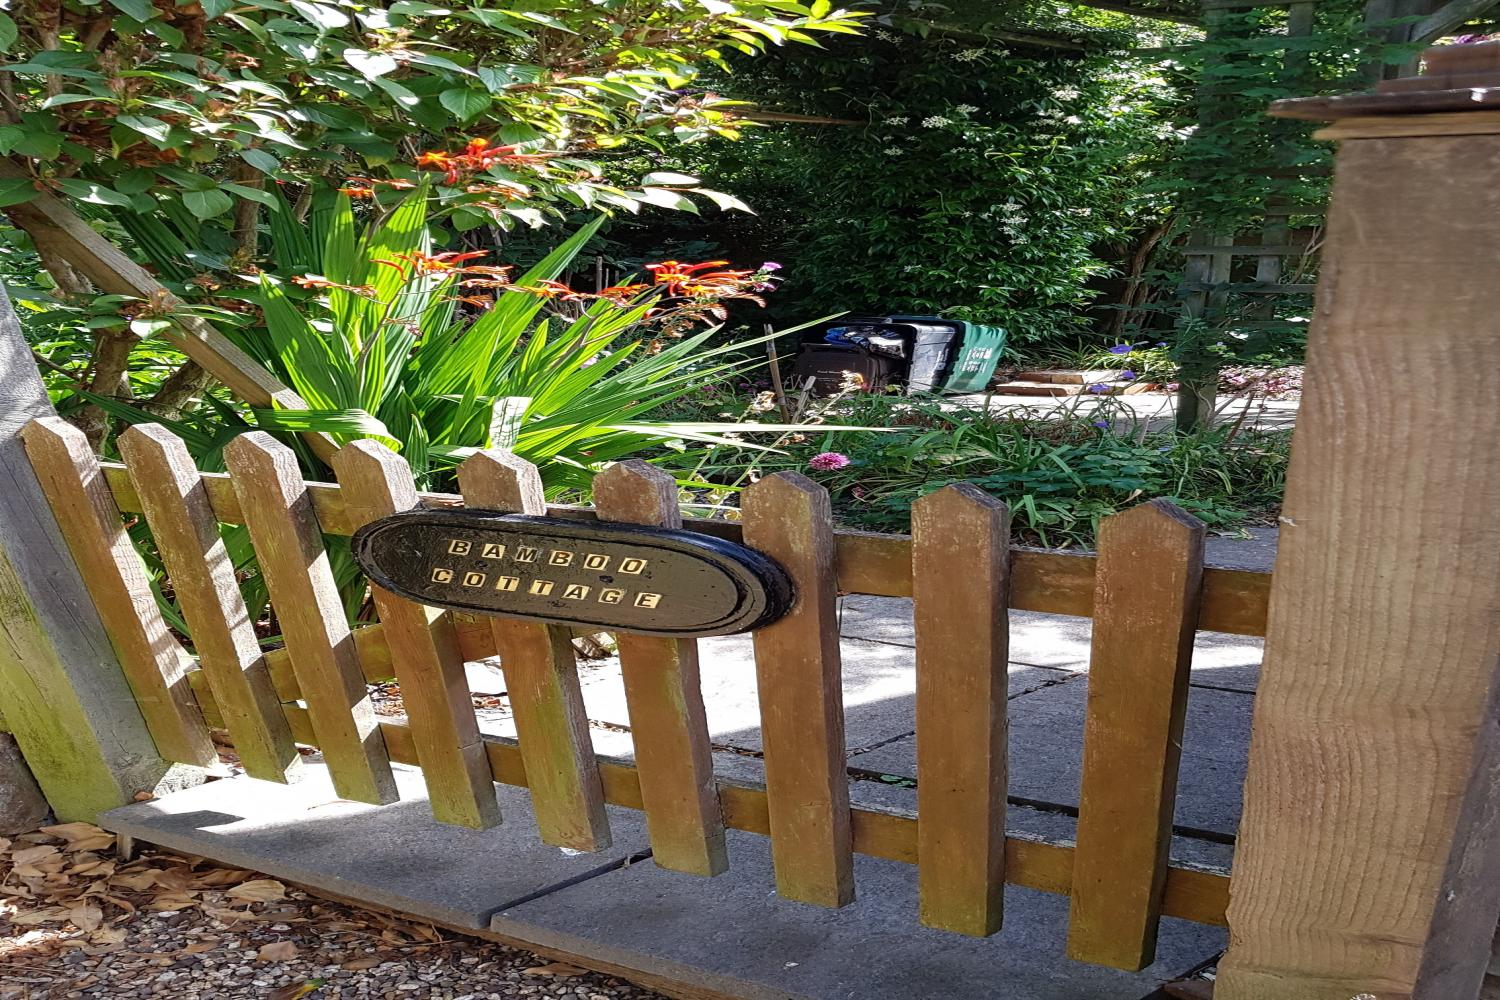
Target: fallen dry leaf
198	947
360	963
277	951
108	935
558	970
82	836
261	890
31	855
137	880
51	915
86	916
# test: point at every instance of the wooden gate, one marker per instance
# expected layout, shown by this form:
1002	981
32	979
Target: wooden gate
1147	591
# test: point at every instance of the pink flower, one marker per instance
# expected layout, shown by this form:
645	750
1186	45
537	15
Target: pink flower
828	461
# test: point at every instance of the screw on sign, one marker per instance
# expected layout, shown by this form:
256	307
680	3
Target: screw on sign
655	581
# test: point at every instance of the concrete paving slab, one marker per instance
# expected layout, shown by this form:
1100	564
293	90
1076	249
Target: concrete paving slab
1046	752
1060	641
396	856
874	949
879	688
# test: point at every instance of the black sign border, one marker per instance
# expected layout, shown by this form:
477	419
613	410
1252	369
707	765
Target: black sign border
766	591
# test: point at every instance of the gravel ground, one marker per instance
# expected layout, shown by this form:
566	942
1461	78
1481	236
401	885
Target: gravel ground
77	921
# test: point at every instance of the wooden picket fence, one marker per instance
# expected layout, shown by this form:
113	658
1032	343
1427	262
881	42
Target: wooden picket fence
1146	589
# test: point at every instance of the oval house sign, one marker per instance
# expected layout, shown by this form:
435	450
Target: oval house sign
656	581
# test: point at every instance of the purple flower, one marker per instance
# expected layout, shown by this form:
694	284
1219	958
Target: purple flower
1161	343
1098	387
1102	424
770	265
1127	374
827	461
1121	349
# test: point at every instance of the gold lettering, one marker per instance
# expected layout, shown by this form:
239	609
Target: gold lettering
561	557
595	560
458	547
647	600
525	553
440	575
609	595
542	587
632	566
507	582
576	592
492	550
474	579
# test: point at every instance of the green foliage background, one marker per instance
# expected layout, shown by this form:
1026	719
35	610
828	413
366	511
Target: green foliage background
990	181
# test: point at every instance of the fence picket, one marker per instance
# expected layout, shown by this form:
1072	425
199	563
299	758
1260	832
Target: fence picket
289	549
541	676
155	665
1145	612
960	572
425	653
665	699
788	517
202	575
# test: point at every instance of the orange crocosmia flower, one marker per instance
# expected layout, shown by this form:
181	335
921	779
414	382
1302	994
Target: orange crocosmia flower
439	263
357	192
318	281
547	290
621	292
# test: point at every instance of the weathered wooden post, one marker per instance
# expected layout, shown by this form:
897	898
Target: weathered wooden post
1369	855
62	693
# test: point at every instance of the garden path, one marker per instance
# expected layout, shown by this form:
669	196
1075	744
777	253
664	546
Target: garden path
1156	409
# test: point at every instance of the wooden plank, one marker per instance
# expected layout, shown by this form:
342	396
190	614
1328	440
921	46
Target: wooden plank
788	517
65	697
202	575
665	699
154	663
960	564
541	677
429	665
1447	19
1059	583
1368	858
1150	566
289	550
1191	894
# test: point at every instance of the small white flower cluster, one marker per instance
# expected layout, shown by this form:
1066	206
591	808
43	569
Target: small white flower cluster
898	119
894	151
936	121
1013	221
965	109
968	55
1067	93
887	36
